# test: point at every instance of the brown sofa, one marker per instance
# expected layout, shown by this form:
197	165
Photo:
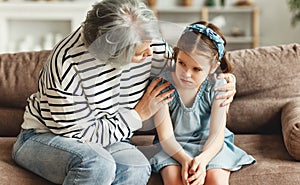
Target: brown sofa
265	114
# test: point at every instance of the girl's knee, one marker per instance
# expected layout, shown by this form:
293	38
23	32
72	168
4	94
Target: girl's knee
217	177
171	175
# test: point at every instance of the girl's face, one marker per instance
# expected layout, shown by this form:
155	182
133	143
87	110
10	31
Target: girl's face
190	72
142	52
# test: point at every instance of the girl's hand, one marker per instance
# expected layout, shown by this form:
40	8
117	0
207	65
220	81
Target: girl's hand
230	89
153	99
185	166
197	172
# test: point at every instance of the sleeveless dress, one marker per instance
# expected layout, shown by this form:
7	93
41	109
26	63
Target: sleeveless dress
191	129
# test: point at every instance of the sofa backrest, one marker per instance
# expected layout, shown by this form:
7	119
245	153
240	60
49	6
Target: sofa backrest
18	80
267	78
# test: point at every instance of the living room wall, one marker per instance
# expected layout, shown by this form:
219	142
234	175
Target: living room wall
275	18
275	23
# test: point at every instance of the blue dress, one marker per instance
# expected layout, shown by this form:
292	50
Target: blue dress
191	129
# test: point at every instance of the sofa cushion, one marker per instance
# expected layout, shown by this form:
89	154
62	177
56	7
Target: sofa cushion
267	78
290	121
19	76
274	164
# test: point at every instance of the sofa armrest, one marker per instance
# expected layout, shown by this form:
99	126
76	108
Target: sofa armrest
290	122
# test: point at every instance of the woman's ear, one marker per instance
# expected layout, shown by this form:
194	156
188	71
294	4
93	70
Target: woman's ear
214	67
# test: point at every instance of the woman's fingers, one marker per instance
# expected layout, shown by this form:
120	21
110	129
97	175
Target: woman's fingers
229	89
227	101
226	87
226	95
157	90
229	77
153	99
153	84
165	95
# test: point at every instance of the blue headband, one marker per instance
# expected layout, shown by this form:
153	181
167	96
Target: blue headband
214	37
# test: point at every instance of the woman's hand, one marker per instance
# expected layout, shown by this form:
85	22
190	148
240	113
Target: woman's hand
153	99
197	172
230	89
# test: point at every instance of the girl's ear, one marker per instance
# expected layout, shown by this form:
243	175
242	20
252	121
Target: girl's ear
214	67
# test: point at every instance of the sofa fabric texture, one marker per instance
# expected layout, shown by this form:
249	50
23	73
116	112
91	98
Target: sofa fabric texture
265	114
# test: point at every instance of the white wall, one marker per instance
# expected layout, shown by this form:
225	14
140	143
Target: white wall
275	23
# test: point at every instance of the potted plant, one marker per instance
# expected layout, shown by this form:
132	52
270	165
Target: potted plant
295	9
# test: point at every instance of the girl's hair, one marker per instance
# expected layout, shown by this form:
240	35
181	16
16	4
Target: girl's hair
195	41
114	28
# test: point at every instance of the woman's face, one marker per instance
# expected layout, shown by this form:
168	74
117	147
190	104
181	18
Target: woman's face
190	71
142	52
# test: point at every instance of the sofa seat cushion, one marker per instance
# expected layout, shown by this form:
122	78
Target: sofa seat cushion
10	172
273	163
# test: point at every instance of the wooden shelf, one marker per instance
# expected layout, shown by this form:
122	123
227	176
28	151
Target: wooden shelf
247	17
253	37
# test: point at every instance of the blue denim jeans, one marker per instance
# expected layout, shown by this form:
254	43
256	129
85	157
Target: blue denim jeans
67	161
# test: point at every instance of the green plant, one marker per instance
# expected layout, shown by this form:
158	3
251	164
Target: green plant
295	9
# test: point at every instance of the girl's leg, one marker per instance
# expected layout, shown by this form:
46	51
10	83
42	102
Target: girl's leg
171	175
217	177
64	160
132	166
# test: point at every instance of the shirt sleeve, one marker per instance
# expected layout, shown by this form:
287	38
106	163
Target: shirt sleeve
162	57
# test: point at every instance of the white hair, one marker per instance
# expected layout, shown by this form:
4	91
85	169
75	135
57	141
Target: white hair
114	28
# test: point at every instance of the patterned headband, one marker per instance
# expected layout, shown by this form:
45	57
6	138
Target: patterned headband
214	37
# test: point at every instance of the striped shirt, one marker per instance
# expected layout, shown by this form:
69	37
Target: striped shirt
81	97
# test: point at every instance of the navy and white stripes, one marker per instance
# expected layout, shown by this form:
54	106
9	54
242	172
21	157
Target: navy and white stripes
81	97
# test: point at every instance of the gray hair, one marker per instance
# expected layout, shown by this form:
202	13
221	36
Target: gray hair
114	28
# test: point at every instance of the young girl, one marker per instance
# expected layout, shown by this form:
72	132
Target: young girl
192	128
